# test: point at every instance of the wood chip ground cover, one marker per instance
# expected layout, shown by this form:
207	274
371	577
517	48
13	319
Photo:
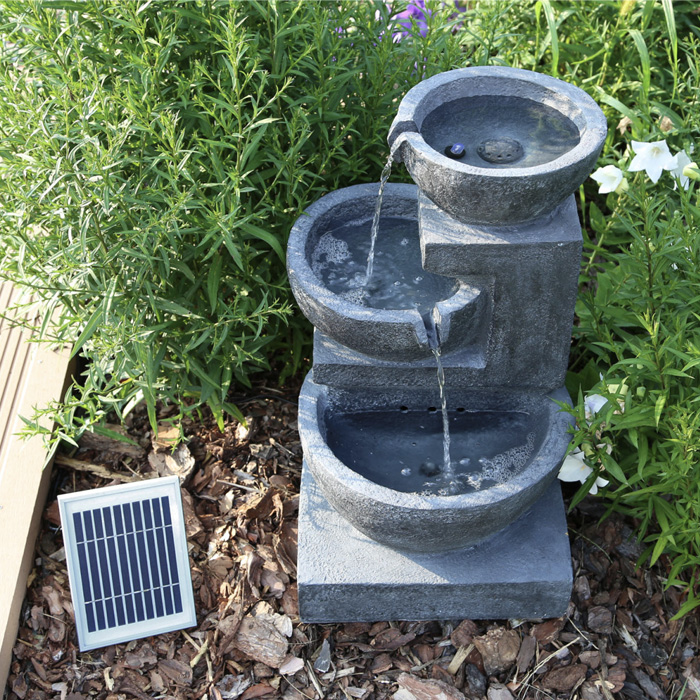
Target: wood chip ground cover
617	639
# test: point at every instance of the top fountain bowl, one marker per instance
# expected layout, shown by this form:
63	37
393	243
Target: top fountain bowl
529	141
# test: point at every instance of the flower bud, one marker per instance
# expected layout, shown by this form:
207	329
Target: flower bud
691	171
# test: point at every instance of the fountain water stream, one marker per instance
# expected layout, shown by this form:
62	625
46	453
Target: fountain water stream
447	474
383	179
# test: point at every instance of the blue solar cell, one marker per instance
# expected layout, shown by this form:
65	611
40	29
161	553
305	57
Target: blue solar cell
114	567
130	612
140	612
124	562
145	576
94	569
100	614
78	525
143	561
157	518
147	518
89	531
90	615
128	521
168	600
177	598
107	520
119	608
135	576
162	556
106	583
172	559
104	568
84	572
116	582
153	558
138	520
97	520
118	522
166	510
153	561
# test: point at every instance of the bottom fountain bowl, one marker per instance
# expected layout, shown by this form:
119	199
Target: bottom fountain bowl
377	456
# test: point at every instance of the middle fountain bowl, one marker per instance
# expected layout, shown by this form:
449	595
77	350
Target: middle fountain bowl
327	253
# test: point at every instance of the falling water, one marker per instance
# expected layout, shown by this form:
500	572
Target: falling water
386	172
447	471
431	327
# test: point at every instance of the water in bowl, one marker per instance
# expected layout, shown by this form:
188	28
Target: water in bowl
398	280
403	449
491	127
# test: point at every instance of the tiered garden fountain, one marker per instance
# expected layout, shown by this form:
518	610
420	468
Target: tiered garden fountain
408	512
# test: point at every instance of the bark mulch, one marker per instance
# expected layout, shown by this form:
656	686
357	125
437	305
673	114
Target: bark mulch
617	639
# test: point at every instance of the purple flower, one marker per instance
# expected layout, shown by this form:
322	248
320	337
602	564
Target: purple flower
415	14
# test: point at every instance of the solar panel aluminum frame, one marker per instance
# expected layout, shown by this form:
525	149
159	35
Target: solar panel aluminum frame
110	512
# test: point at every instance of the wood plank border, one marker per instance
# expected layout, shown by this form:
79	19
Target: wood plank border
31	375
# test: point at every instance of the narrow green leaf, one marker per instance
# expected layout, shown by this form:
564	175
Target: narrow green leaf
233	410
658	550
642	453
233	250
613	468
173	307
621	108
265	236
90	327
213	278
644	58
687	607
554	40
114	435
671	26
658	408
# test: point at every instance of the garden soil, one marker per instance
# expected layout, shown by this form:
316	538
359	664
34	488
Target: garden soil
241	495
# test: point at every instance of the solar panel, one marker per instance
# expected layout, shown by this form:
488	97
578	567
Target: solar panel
126	552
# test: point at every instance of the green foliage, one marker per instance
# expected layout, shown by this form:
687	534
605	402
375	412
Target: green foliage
153	157
639	323
637	340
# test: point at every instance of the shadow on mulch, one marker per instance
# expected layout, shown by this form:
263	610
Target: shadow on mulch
241	498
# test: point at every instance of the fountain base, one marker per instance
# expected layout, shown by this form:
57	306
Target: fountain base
344	576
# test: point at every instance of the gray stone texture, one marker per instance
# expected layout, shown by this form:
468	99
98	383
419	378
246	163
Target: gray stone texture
344	576
431	523
520	332
531	273
339	366
505	195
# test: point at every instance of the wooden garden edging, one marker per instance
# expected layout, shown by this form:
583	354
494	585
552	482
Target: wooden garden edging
31	375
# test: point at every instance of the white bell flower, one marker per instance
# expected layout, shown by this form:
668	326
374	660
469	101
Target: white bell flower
654	158
682	160
575	469
592	404
610	178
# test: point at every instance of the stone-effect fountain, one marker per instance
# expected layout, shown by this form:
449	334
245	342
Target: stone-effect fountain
486	249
